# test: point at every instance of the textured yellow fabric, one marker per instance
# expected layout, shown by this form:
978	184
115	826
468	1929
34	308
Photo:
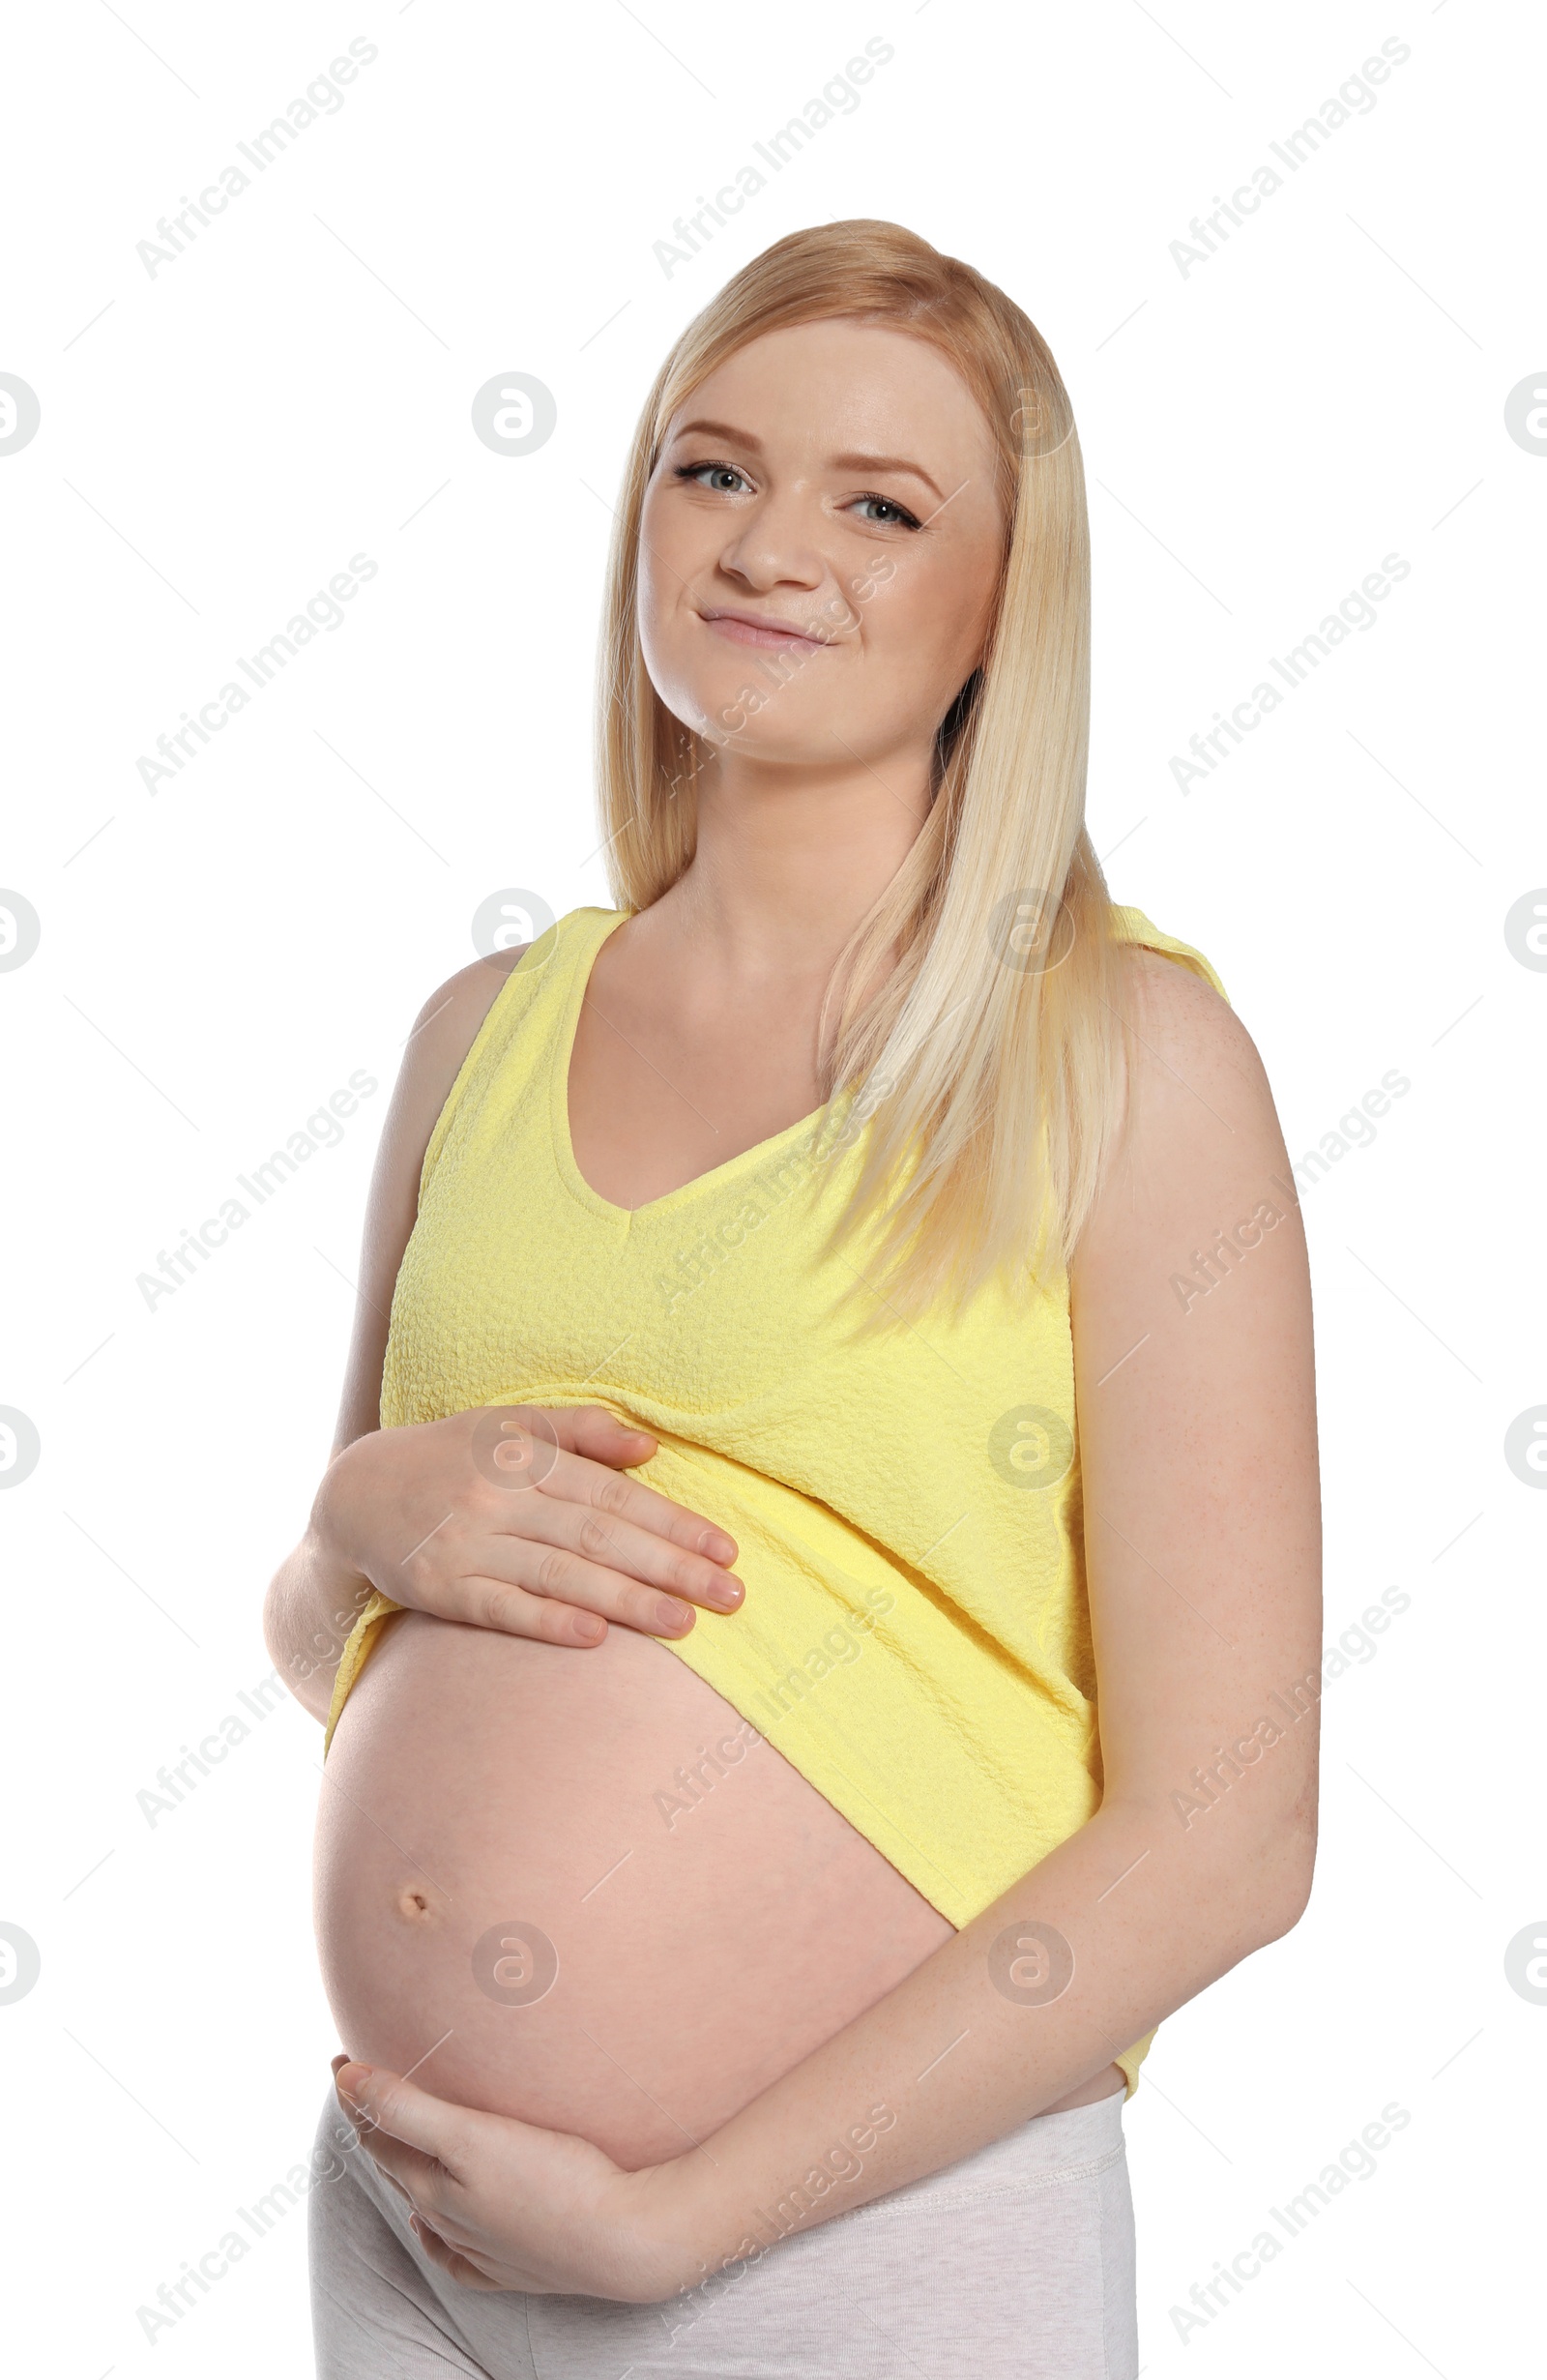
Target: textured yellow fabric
915	1637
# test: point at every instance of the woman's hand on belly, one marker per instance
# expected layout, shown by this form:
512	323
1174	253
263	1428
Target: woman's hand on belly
521	1518
503	2205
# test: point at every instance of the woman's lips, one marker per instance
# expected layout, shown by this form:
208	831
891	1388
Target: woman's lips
741	629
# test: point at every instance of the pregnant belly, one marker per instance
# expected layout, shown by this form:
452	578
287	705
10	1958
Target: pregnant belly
570	1887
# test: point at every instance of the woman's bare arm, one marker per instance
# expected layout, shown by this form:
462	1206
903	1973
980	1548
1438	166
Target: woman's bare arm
314	1597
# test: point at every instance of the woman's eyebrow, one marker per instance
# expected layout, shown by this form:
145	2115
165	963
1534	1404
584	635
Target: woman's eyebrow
839	462
885	462
721	429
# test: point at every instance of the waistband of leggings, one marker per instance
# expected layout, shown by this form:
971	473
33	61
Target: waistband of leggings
1073	2139
1076	2140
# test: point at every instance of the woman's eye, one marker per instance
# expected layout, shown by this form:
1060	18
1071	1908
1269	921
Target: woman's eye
711	475
890	515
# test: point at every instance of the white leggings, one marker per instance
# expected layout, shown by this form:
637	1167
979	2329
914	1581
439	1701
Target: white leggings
1019	2261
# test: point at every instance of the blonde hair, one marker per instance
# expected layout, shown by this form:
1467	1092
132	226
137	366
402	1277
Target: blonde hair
989	1066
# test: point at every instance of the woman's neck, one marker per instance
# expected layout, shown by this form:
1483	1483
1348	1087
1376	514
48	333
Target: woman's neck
788	862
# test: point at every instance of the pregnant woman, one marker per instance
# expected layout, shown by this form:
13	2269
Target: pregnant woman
826	1481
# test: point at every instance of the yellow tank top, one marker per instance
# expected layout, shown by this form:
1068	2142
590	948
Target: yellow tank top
915	1637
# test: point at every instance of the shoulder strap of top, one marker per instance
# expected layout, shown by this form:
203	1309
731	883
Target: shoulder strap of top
1132	925
531	1003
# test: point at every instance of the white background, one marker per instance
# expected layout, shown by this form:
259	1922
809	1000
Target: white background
217	440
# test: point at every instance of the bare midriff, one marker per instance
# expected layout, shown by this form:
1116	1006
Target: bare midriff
571	1887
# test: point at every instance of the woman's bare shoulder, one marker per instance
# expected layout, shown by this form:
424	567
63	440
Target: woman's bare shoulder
1201	1139
443	1033
1177	1020
445	1030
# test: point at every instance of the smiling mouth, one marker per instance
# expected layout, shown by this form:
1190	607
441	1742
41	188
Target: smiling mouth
745	628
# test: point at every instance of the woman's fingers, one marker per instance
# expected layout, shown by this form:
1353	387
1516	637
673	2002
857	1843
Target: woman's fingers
571	1605
563	1582
593	1431
617	1542
450	2259
623	1573
418	2142
587	1448
588	1483
579	1509
515	1611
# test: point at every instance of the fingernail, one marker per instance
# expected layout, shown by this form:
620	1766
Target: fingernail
352	2080
589	1629
726	1597
718	1547
670	1613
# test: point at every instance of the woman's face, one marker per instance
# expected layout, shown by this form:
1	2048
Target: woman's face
819	547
